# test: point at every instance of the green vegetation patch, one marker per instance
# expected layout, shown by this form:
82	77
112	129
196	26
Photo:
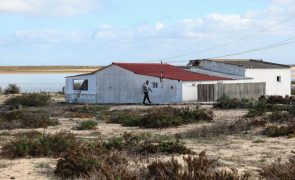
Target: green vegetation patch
29	100
38	145
26	119
86	125
163	117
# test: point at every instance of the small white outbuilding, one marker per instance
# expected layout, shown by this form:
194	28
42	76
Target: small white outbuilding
277	77
121	83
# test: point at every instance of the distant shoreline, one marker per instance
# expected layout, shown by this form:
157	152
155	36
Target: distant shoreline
47	69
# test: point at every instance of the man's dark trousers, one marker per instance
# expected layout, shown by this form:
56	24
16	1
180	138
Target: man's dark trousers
146	97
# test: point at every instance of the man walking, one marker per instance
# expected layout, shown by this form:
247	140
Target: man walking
146	89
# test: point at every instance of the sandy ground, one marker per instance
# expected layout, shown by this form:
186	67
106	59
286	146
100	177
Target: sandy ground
244	152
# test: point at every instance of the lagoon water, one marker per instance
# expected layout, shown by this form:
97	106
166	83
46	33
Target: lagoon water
51	82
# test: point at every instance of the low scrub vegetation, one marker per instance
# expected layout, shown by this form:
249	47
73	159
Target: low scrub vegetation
279	169
226	102
85	112
278	99
195	167
224	128
293	91
259	109
86	125
12	89
164	117
280	130
93	162
38	145
26	119
145	144
30	100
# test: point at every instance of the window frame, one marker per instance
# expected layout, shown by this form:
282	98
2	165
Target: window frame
83	81
279	79
155	85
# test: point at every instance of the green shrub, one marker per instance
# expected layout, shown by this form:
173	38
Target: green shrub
146	144
39	145
86	125
156	119
30	100
26	119
279	169
226	102
259	109
277	131
116	143
279	116
12	89
293	91
163	117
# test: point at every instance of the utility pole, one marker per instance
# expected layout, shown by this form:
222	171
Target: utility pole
162	72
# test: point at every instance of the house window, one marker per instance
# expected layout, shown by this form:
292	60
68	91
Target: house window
279	78
155	85
80	85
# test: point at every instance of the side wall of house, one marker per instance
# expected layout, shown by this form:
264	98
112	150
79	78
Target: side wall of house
78	96
116	85
167	92
270	77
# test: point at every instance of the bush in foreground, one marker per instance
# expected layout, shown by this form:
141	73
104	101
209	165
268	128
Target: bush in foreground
30	100
39	145
93	162
26	119
259	109
226	102
164	117
86	125
224	128
145	144
279	170
12	89
195	167
280	130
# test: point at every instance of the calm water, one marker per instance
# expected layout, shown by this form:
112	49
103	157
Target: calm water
35	82
41	82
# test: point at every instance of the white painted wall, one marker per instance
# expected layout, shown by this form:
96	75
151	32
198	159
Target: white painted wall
118	85
81	96
269	76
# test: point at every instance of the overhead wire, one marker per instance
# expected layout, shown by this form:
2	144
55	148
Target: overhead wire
227	43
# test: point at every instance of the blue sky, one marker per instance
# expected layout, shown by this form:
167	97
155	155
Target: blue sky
98	32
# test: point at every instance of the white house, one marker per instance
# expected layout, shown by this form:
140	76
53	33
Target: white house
122	83
277	77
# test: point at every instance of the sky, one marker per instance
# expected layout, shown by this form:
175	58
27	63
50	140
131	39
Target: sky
99	32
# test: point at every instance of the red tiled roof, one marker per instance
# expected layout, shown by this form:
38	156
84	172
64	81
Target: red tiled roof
169	72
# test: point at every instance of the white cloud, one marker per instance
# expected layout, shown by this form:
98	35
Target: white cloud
50	7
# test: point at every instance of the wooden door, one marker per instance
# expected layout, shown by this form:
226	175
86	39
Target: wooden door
206	92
